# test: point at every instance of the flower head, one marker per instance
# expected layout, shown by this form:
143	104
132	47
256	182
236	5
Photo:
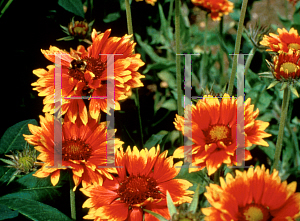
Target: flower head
285	69
143	179
78	28
216	8
213	128
84	148
85	73
252	195
282	42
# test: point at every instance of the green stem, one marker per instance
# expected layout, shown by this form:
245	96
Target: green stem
237	46
203	60
178	69
249	60
284	109
72	199
135	90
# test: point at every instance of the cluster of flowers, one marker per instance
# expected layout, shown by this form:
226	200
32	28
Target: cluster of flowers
285	49
140	179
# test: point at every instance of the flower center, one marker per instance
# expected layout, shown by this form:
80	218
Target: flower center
26	163
288	67
294	46
254	212
217	133
78	67
75	149
136	189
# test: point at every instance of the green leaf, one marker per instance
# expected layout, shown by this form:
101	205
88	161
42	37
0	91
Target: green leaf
33	209
112	17
165	29
155	139
170	104
194	203
13	137
168	77
74	6
195	178
170	204
149	50
158	216
6	174
6	213
269	151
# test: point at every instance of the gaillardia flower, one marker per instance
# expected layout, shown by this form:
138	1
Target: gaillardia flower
213	131
143	179
84	149
252	195
152	2
84	73
282	42
216	8
285	69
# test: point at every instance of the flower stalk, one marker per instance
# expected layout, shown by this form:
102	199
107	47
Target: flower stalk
237	46
284	110
135	91
72	199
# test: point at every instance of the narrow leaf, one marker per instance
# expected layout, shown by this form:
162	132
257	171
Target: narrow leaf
171	206
294	91
158	216
194	203
273	84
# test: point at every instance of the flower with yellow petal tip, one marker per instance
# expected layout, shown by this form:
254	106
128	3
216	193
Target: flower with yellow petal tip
282	42
213	131
252	195
84	148
143	179
84	73
216	8
285	69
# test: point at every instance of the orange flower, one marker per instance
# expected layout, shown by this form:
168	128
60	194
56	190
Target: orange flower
152	2
144	178
287	66
282	42
84	148
84	73
216	8
213	131
252	195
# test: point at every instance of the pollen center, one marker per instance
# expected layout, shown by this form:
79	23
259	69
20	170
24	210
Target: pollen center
294	46
136	189
289	67
96	66
218	133
75	149
255	212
